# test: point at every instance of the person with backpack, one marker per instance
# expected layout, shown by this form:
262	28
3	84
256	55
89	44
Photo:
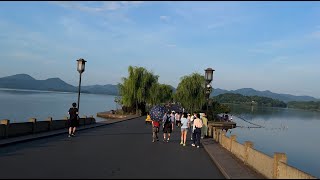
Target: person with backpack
155	130
168	124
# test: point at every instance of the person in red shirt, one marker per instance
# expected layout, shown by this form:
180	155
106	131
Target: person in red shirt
155	130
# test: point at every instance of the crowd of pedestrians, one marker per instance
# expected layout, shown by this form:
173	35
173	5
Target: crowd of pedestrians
196	124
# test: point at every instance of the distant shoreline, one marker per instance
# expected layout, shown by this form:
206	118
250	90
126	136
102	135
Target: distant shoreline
47	91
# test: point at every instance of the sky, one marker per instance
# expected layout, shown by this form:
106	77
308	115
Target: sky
261	45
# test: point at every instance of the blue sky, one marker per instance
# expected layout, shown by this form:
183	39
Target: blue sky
262	45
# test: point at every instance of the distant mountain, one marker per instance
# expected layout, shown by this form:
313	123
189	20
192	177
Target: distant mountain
269	94
25	81
102	89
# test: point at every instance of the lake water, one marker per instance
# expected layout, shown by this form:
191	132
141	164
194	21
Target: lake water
20	105
291	131
294	132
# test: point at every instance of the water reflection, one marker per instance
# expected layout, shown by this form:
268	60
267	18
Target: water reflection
291	131
20	105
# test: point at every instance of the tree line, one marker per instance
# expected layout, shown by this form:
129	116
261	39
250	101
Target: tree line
249	100
141	90
307	105
231	98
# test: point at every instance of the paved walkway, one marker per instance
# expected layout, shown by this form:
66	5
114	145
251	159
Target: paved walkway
119	150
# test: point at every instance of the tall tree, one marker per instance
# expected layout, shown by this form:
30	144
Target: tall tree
160	93
135	89
191	92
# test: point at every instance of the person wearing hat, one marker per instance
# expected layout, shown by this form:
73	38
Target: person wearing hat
204	130
73	121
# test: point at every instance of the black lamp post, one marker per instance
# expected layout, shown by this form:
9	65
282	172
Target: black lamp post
208	77
80	68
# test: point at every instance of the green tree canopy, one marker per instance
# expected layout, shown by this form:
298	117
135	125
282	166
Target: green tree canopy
160	93
135	89
190	92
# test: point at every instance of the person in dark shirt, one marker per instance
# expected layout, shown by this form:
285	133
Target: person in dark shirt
73	120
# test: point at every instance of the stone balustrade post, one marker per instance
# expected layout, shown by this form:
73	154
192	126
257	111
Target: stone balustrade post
5	122
84	120
222	134
217	134
92	121
66	123
209	131
278	157
247	145
233	139
49	119
34	122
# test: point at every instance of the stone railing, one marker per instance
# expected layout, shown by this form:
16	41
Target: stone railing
33	126
275	167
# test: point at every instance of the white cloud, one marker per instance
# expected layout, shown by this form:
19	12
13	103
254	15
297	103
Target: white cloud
165	18
315	34
280	59
171	45
97	6
216	25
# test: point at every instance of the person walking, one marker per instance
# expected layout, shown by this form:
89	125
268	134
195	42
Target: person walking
197	124
155	130
73	121
191	125
168	123
177	118
184	129
204	130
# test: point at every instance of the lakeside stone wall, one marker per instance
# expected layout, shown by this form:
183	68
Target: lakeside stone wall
8	130
275	167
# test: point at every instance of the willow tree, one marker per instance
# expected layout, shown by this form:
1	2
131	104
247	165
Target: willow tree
135	89
160	93
190	92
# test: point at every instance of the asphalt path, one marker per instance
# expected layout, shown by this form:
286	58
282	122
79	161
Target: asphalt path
120	150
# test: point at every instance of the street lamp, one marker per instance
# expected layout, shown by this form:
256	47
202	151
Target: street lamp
80	67
208	77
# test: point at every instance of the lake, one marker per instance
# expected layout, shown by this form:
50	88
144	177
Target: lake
290	131
20	105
